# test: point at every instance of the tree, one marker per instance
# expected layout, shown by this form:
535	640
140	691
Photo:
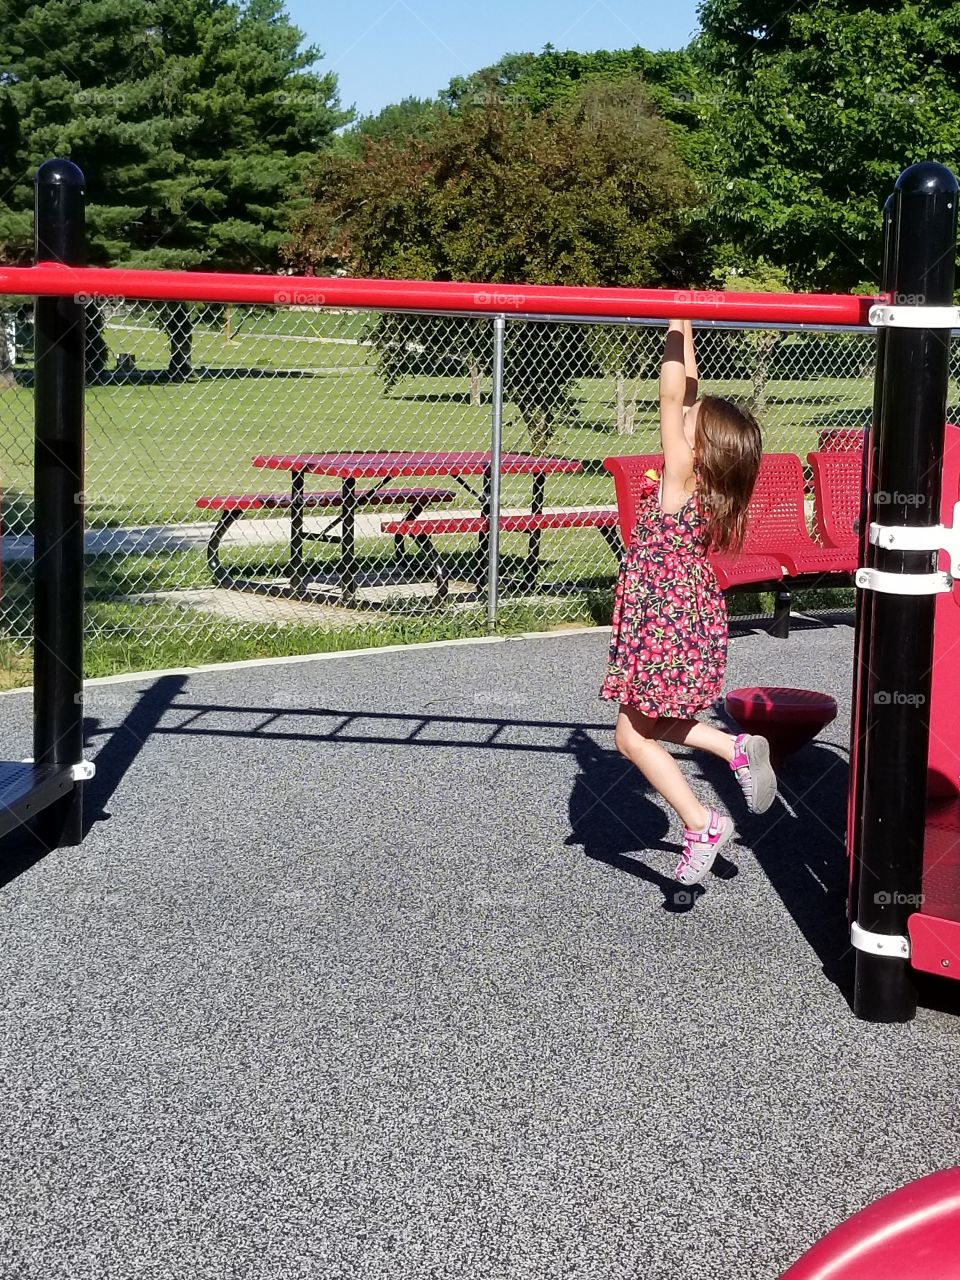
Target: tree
757	277
589	191
621	353
409	118
671	82
192	120
817	110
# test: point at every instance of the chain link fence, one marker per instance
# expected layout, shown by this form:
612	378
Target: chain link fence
182	399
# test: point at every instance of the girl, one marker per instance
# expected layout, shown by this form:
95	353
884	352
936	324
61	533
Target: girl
668	647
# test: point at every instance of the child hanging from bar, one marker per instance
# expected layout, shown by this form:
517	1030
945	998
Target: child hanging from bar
668	646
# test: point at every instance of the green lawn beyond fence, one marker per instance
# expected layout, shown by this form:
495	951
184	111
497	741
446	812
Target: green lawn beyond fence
292	381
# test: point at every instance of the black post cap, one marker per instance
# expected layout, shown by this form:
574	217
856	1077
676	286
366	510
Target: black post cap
927	178
59	173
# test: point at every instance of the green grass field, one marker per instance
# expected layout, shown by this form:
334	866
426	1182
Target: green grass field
290	381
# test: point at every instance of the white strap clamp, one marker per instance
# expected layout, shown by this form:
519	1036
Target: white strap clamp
903	584
887	317
880	944
936	537
81	772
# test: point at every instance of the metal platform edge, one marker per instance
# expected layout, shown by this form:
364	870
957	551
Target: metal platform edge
27	789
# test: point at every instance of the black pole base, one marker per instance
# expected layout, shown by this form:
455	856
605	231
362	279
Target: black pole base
884	989
780	624
60	826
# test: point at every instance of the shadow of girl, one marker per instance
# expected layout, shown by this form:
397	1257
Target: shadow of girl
614	820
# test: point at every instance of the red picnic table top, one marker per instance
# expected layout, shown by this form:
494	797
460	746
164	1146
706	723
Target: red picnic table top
360	465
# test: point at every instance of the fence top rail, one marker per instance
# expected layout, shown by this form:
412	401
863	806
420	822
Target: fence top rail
112	284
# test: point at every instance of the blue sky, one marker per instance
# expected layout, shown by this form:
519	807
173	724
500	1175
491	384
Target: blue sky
385	50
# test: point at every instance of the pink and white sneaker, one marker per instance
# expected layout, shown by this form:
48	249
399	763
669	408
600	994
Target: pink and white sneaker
700	848
751	765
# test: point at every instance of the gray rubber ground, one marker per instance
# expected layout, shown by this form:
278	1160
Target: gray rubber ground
373	967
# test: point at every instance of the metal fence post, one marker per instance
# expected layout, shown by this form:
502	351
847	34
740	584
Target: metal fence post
496	434
58	508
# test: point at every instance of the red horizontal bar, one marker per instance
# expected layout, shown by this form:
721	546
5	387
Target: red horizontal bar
109	283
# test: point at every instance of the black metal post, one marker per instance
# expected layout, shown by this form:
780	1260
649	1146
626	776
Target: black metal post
296	533
865	559
894	711
59	499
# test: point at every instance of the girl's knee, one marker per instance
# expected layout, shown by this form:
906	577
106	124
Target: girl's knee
628	737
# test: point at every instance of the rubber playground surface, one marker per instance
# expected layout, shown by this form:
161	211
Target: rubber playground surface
372	966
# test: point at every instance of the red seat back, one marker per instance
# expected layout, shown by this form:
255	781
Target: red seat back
776	517
837	483
628	476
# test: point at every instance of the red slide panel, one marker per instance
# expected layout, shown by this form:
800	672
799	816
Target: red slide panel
55	279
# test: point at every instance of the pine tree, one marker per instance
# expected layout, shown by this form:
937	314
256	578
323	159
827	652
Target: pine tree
193	122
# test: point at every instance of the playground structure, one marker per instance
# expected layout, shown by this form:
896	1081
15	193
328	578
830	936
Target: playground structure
904	745
897	601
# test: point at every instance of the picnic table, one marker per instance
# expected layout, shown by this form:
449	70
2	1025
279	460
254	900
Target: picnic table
382	468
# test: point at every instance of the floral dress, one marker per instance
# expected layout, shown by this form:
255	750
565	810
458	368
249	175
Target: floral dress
668	643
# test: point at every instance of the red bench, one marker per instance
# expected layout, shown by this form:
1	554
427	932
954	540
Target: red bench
428	526
778	551
629	476
331	498
777	522
233	506
423	528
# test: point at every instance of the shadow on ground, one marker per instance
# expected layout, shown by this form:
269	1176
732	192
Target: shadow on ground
798	844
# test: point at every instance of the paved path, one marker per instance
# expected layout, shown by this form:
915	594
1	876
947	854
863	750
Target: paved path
371	967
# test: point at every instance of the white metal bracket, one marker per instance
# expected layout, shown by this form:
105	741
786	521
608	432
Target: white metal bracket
880	944
887	317
903	584
937	537
81	772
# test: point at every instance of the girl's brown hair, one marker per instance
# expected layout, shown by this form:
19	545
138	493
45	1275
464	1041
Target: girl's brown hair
727	452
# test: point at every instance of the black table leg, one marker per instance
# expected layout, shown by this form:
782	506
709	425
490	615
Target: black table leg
297	567
483	542
348	556
533	547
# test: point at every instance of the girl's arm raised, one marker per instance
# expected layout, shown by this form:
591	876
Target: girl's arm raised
677	454
689	364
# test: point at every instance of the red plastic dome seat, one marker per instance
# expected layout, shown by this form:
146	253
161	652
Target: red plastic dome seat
911	1234
787	718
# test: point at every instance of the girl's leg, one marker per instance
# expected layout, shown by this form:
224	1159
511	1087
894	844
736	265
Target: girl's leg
753	772
635	737
692	733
